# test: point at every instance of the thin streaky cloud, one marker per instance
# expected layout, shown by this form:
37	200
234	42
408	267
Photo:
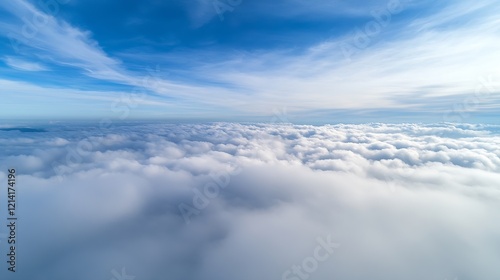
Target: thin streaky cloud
420	51
23	65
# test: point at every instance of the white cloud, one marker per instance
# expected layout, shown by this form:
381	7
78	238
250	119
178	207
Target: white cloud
27	97
404	65
20	64
56	40
408	65
46	36
404	201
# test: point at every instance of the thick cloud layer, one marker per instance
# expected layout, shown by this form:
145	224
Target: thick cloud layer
233	201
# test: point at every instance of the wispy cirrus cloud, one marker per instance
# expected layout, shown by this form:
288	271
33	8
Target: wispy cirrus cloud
389	58
56	41
23	65
388	69
406	63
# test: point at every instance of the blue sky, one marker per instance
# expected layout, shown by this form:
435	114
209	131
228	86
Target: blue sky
300	61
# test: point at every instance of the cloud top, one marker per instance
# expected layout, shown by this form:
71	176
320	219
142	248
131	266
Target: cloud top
409	200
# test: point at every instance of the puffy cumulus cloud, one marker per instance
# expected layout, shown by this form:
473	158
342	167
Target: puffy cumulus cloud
234	201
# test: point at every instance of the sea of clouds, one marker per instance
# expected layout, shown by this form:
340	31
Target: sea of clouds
254	201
